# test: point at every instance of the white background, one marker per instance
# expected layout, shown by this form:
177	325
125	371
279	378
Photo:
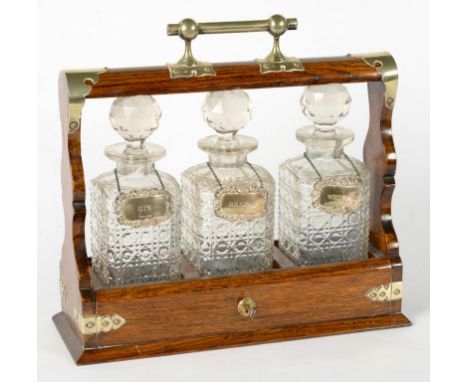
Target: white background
122	33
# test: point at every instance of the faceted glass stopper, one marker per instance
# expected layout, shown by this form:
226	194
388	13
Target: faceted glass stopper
135	118
325	105
227	111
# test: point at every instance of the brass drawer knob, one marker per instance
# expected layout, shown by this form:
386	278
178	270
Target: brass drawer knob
247	307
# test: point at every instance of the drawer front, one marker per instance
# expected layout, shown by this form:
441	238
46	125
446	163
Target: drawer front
284	298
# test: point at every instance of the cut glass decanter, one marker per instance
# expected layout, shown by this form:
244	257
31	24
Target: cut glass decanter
323	193
135	209
228	203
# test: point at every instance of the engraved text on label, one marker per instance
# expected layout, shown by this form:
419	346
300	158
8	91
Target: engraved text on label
242	202
145	208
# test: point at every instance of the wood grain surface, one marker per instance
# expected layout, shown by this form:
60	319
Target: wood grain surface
246	75
201	313
84	356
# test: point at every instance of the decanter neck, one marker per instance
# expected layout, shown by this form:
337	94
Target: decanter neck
325	142
131	168
227	160
227	152
320	151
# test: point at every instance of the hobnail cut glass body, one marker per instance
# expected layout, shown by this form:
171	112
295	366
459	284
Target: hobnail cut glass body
309	235
123	254
216	246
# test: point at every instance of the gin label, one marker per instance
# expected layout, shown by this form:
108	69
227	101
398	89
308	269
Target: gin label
240	202
139	208
337	195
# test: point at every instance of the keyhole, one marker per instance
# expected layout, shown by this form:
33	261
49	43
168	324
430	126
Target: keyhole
247	307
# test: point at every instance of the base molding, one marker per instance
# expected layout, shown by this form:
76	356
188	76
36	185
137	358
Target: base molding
83	356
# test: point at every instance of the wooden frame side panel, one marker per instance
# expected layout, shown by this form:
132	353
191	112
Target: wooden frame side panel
76	289
380	159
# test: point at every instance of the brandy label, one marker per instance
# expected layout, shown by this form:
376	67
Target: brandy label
337	195
138	208
240	202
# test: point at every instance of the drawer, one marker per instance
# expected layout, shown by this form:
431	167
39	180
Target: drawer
285	296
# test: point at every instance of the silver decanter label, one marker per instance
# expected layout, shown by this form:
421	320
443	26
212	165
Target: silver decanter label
139	208
240	202
337	195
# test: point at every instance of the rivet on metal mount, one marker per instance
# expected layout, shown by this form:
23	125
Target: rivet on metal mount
276	61
188	66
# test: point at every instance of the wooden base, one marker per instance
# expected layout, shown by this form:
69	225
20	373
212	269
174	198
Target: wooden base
83	356
202	313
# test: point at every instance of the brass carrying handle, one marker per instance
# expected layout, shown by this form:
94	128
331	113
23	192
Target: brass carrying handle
188	29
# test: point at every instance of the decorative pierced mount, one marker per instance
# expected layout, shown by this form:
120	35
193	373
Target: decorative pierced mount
63	292
94	324
189	29
79	84
386	292
384	63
